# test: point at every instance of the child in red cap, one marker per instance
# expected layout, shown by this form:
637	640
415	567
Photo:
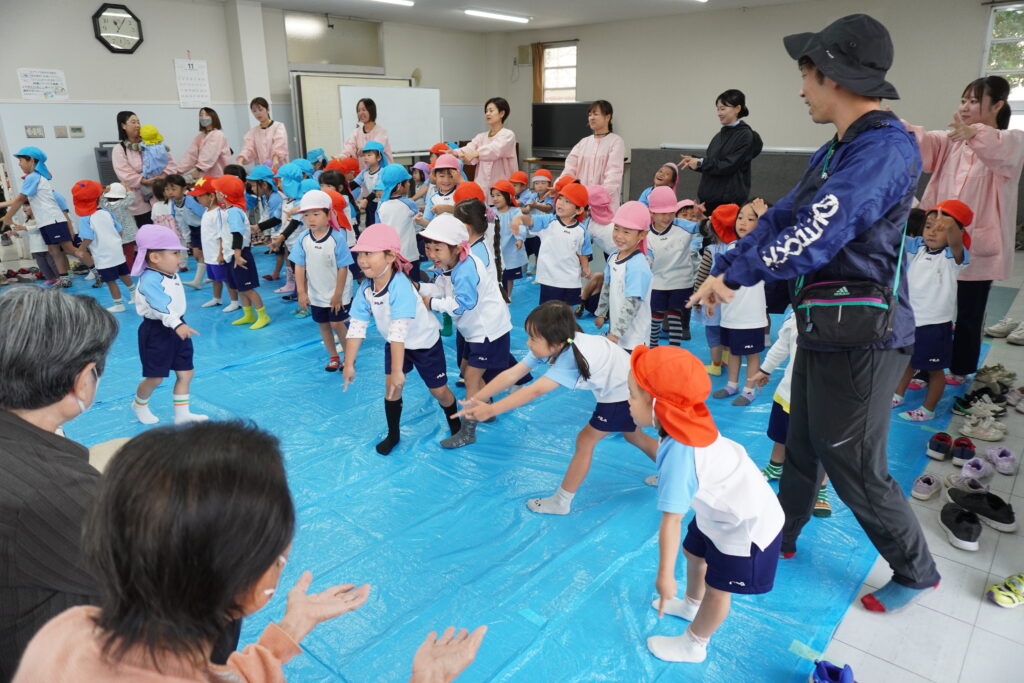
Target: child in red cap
565	245
743	321
538	200
717	241
732	544
933	262
101	235
242	274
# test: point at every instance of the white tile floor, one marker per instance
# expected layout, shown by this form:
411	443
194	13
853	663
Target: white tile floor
954	634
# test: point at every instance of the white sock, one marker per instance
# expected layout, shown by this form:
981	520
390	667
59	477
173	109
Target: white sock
212	302
686	647
557	504
233	306
181	411
140	406
733	385
684	608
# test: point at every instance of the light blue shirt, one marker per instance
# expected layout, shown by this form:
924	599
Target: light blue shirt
677	476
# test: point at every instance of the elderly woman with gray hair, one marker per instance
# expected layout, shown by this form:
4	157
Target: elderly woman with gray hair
52	352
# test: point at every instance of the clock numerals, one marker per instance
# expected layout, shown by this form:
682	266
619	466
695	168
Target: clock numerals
117	28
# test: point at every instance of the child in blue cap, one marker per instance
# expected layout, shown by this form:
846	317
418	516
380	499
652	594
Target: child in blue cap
398	210
368	180
37	192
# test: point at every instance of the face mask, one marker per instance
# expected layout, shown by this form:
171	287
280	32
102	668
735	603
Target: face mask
205	120
81	404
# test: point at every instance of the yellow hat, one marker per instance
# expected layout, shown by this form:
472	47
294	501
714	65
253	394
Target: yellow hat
150	135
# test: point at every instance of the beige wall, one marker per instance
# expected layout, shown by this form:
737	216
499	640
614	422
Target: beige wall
662	75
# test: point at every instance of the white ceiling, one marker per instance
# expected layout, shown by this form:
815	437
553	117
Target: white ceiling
543	13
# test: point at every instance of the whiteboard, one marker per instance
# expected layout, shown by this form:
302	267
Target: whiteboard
412	116
461	121
318	110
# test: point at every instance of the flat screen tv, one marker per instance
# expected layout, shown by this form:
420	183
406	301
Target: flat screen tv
558	127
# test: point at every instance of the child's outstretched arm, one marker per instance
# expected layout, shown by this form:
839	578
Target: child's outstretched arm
477	408
668	545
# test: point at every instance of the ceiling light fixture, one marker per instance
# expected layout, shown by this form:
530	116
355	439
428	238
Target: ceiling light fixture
494	15
403	3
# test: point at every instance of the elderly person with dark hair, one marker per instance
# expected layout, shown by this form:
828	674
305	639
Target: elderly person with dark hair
48	376
206	545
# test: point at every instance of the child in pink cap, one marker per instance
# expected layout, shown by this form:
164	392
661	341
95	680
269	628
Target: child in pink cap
165	341
412	333
446	173
626	293
673	262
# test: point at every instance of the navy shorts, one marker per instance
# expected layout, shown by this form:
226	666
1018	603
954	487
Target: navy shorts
429	363
778	423
56	233
218	272
114	272
570	295
743	342
532	246
933	347
195	237
511	274
670	299
748	575
162	350
713	333
612	417
489	354
243	278
326	314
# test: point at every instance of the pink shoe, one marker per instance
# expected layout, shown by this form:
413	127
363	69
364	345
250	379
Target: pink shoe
288	288
916	385
955	380
918	415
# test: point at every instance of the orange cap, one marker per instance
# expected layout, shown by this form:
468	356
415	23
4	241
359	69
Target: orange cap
955	208
339	204
519	177
233	190
577	194
679	384
563	181
723	220
468	190
440	148
203	186
86	196
506	187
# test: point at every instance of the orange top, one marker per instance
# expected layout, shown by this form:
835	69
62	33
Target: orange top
69	649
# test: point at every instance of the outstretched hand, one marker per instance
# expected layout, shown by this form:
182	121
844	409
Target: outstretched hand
960	131
444	658
713	292
306	610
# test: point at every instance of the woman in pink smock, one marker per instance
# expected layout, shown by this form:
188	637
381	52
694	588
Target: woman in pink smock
599	158
977	161
267	142
368	129
127	161
492	152
209	152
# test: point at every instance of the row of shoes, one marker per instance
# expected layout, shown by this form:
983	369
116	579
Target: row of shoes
991	397
1009	329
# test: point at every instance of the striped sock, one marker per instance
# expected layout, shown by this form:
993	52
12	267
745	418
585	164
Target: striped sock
656	319
140	406
182	412
675	329
772	471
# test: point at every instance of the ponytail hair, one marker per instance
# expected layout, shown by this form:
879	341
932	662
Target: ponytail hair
555	323
998	90
473	213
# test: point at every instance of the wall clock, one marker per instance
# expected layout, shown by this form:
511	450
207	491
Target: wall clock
117	28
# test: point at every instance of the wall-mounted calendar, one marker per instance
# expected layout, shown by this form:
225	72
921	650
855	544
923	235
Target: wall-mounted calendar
193	83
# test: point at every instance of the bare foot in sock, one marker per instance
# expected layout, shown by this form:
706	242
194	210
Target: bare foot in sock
679	607
681	648
143	414
465	436
190	417
557	504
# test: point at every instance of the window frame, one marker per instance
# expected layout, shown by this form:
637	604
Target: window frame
544	69
1016	105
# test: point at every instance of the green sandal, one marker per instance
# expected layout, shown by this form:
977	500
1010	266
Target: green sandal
1009	593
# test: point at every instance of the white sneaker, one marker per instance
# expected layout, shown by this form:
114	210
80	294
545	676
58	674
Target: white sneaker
1002	328
1016	337
233	306
211	303
982	428
117	308
91	275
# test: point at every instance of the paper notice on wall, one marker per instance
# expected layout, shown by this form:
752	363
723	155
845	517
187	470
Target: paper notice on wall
193	83
42	84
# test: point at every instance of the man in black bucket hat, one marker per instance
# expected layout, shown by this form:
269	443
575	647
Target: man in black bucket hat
839	230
